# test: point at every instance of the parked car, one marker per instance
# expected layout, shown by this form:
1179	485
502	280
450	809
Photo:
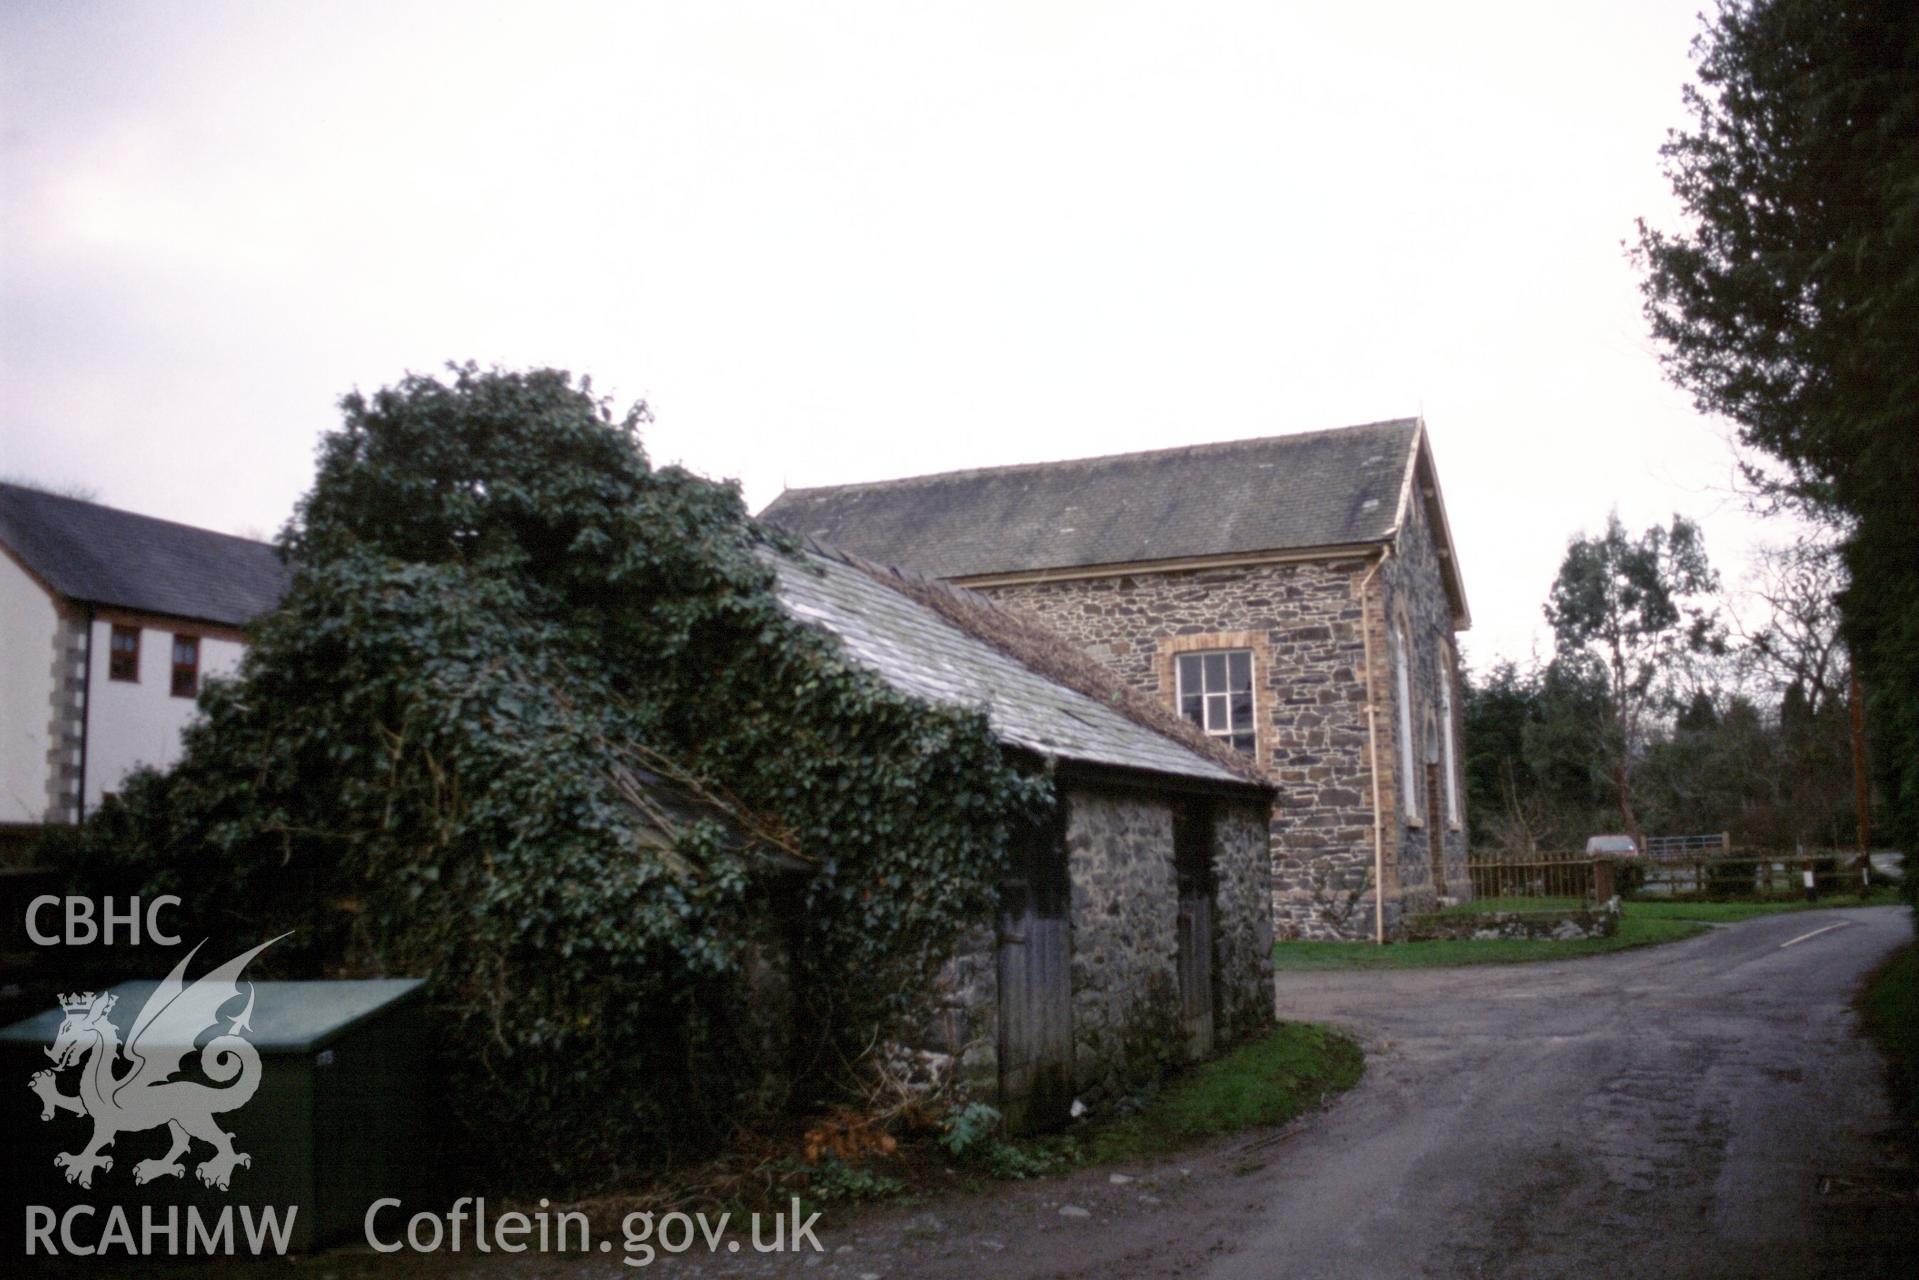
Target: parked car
1612	846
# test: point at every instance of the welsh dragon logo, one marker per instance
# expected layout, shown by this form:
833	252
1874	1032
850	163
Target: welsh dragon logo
129	1089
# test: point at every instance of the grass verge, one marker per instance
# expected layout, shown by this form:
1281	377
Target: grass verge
1264	1083
1891	1008
1732	912
1634	931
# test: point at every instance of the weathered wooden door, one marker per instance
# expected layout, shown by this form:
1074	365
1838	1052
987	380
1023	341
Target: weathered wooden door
1193	863
1435	834
1036	984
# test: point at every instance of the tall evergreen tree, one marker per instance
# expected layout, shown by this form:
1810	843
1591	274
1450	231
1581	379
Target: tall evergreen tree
1789	303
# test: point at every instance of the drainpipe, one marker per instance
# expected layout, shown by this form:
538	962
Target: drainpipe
86	716
1372	756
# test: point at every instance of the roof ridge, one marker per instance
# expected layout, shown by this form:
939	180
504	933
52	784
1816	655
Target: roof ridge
38	494
1203	449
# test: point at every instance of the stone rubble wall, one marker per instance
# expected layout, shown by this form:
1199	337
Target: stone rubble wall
1415	590
1125	930
1302	622
959	1045
1125	953
1242	921
1600	921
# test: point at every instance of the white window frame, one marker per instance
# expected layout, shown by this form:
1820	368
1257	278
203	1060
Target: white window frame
1448	751
1179	693
1403	689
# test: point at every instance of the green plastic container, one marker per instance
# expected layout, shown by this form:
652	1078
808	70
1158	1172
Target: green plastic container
347	1111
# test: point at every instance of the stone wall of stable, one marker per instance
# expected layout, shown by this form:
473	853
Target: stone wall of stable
1125	939
1243	921
1124	909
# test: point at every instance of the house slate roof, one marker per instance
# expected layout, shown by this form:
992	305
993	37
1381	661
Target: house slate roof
918	652
1316	489
100	555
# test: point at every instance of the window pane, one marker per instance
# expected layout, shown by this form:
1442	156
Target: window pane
1191	707
1242	712
123	654
1241	670
1215	673
1243	742
1216	713
1189	674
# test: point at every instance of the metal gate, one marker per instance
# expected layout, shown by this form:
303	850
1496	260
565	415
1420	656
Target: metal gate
1036	984
1193	862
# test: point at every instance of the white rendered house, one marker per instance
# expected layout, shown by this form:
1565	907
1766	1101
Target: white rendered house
109	624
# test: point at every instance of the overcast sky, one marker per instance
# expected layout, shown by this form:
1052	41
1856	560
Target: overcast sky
841	242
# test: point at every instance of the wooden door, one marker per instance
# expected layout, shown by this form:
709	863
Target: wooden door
1036	985
1193	863
1435	833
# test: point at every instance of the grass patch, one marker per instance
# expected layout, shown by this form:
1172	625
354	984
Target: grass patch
1267	1082
1634	931
1732	912
1891	1009
1642	924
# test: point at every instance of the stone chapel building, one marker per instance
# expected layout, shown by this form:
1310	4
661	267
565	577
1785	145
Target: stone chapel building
1296	596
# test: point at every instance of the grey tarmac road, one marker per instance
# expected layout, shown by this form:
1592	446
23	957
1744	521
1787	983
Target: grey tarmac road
1701	1109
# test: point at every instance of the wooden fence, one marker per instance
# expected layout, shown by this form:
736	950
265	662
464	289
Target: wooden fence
1750	873
1677	873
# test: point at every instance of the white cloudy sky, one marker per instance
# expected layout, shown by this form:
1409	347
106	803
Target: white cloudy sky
836	242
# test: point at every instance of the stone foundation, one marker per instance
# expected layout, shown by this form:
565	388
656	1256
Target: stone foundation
1558	926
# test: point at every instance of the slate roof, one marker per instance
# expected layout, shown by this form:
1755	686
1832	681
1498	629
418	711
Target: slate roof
1315	489
99	555
918	652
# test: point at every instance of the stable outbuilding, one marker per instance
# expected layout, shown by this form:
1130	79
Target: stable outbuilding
1134	930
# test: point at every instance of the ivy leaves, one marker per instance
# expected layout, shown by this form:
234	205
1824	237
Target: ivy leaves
499	612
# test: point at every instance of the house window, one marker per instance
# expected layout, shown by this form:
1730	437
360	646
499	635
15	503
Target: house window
1446	732
186	666
1403	689
123	654
1216	693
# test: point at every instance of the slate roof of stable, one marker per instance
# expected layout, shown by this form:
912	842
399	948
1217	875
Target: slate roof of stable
918	652
100	555
1315	489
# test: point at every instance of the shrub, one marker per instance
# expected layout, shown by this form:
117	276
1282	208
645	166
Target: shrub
499	613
